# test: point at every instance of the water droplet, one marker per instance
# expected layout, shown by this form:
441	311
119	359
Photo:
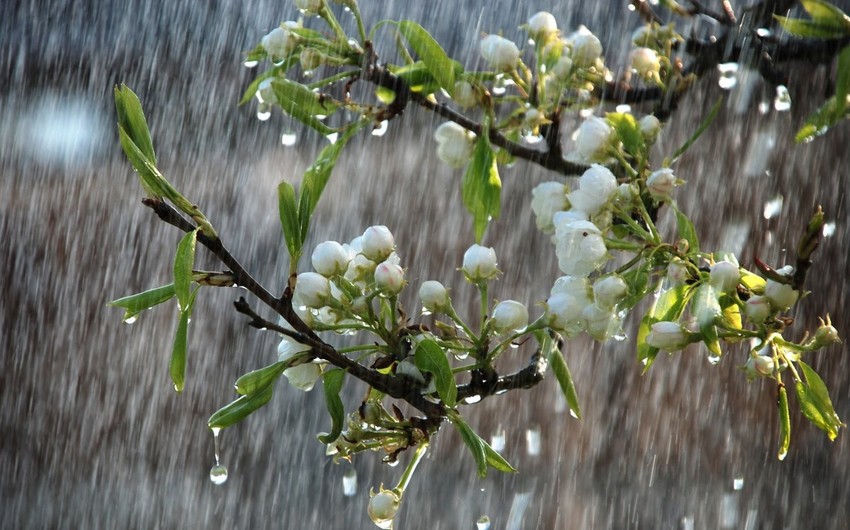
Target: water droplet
425	312
713	359
573	414
738	483
218	474
131	319
250	64
263	114
349	482
332	137
828	229
381	129
773	207
728	75
624	109
782	454
472	399
532	441
308	74
782	102
763	32
497	441
385	524
764	106
461	355
288	139
483	523
392	463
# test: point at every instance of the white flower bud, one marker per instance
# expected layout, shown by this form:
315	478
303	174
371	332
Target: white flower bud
454	144
596	187
280	41
724	276
479	263
782	296
660	183
464	94
547	199
562	68
645	62
360	269
667	336
650	128
434	296
312	289
677	271
502	54
762	365
601	324
593	139
541	25
304	376
579	247
389	278
609	291
377	243
564	313
383	507
757	309
310	6
586	47
330	258
509	316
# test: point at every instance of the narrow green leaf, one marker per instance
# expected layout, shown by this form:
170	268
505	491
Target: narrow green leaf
815	402
136	303
668	307
417	76
809	28
238	410
821	120
270	73
842	81
687	231
149	175
316	178
288	210
432	54
303	104
177	364
332	381
482	188
257	379
784	423
429	357
131	118
184	261
628	131
473	442
701	129
826	14
565	378
497	461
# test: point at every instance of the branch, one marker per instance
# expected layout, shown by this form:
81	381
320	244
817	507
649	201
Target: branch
486	384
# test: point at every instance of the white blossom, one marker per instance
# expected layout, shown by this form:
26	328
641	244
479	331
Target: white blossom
303	376
454	144
434	296
377	243
568	298
650	128
609	291
595	188
389	278
312	289
509	315
330	258
280	41
757	309
781	295
586	47
724	276
383	507
593	139
479	263
660	183
502	54
547	199
601	324
464	94
667	336
542	25
645	62
579	247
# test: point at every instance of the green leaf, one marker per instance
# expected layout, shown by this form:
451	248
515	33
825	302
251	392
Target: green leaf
826	14
821	120
815	402
701	129
429	357
238	410
131	118
668	307
809	28
473	442
288	211
842	82
497	461
565	379
177	364
271	72
638	281
784	423
303	104
628	131
687	231
432	54
136	303
257	379
151	179
332	381
482	188
184	261
316	178
417	76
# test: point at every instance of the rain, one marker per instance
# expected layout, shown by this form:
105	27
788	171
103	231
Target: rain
92	434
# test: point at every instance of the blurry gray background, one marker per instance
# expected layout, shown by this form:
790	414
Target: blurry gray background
91	435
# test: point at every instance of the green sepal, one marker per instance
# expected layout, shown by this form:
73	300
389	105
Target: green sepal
238	410
288	210
332	381
184	262
628	131
687	231
668	307
136	303
784	422
429	357
441	67
815	403
482	188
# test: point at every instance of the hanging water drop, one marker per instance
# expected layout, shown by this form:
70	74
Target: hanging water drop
288	139
250	64
713	359
218	473
738	483
131	319
782	102
349	482
381	129
773	207
483	523
532	440
263	114
829	229
332	137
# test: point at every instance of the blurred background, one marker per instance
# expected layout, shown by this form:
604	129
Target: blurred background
91	434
